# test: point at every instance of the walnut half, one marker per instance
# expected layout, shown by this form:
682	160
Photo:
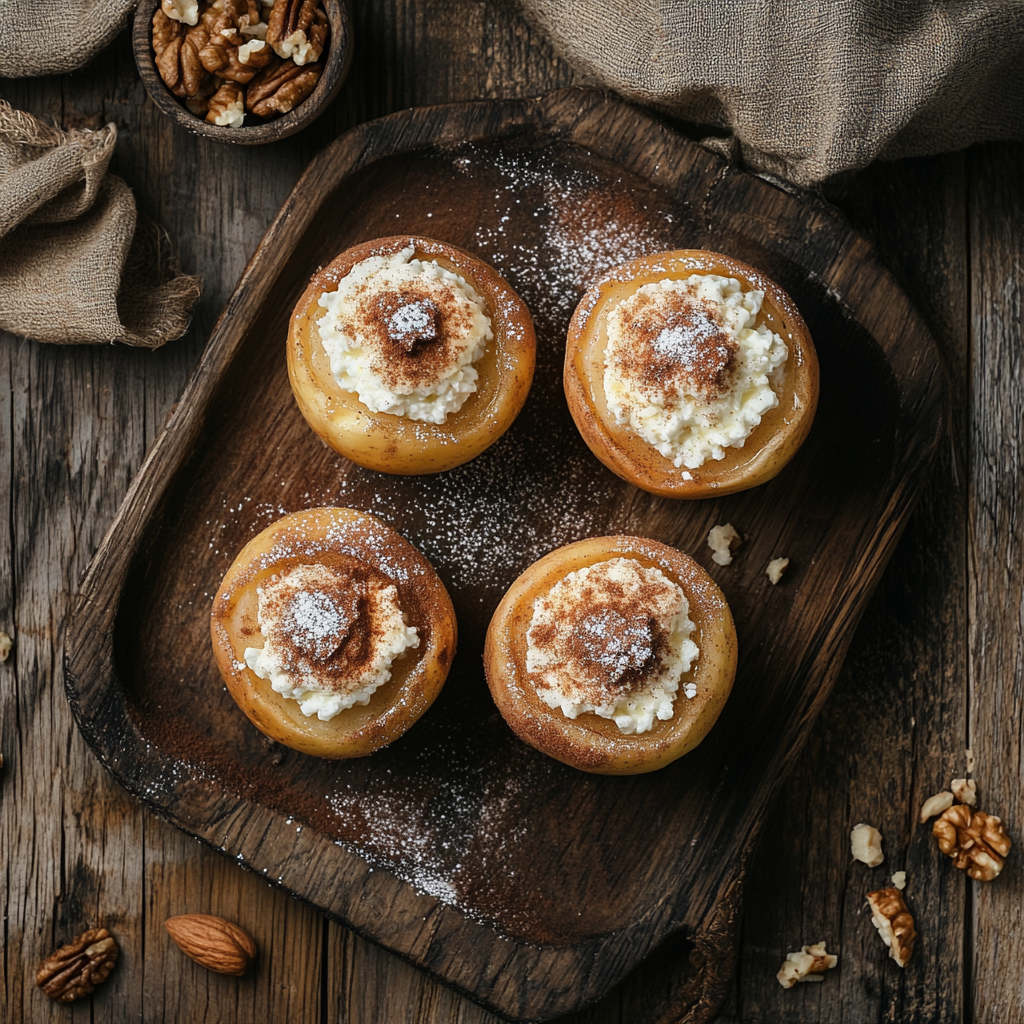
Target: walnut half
889	914
76	969
297	29
976	841
227	106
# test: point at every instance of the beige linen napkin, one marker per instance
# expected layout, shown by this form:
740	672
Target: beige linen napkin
77	264
808	88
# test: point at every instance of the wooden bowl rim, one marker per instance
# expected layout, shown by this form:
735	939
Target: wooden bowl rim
336	67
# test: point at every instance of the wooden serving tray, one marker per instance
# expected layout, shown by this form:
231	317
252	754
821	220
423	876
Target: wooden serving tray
530	886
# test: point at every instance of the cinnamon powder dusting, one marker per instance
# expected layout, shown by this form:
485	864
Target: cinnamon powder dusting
677	345
615	643
318	622
412	334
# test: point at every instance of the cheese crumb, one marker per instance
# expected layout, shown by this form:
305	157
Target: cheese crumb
899	879
776	567
723	541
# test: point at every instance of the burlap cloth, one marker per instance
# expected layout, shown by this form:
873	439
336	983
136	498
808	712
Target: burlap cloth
76	262
807	88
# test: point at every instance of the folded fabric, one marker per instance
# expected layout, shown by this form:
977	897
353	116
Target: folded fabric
40	37
77	264
808	88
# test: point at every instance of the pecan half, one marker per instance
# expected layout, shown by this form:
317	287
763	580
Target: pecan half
279	87
177	54
976	841
889	914
297	30
76	969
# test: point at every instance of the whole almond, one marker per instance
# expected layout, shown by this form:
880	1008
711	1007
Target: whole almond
213	942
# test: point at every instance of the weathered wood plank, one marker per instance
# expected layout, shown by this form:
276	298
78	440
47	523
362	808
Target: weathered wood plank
996	571
893	732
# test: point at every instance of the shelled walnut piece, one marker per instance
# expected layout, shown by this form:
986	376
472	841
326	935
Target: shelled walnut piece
297	29
810	964
976	841
272	66
895	924
76	969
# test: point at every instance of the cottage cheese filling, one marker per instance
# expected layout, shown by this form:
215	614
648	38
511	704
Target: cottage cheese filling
403	334
689	368
331	636
614	639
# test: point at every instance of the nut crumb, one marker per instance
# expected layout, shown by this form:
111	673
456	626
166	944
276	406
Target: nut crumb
5	646
965	791
776	567
866	845
936	805
899	879
723	541
810	964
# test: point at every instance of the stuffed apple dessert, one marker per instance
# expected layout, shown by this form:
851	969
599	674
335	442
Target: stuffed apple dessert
409	355
690	374
614	655
332	632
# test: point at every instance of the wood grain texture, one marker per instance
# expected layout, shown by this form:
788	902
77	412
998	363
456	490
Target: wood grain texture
216	202
995	537
894	731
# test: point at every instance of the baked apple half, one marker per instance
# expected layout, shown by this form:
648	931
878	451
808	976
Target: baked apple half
690	374
614	655
332	632
408	355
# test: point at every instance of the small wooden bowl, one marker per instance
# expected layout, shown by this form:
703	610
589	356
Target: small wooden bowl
337	59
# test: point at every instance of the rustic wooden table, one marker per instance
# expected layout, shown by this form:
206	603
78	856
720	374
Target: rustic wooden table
935	668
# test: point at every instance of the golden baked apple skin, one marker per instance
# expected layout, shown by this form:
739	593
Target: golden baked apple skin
397	444
330	536
770	445
590	742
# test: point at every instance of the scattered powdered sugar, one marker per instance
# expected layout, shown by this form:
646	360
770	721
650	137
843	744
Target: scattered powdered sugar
587	225
427	832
